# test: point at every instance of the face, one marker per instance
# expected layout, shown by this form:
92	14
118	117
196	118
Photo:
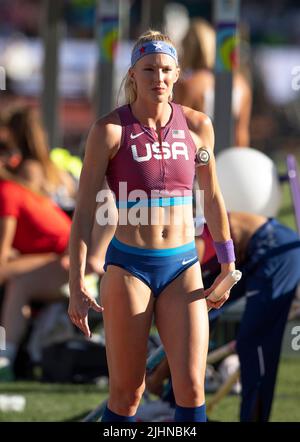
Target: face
155	75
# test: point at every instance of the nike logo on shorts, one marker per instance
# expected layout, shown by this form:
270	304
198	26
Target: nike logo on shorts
186	261
133	136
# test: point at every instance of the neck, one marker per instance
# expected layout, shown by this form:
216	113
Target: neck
153	115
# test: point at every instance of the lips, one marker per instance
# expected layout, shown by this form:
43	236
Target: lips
158	89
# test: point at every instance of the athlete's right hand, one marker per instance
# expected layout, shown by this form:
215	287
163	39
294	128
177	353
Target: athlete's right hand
79	304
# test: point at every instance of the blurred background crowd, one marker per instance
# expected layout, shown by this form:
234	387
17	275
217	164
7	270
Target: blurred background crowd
269	56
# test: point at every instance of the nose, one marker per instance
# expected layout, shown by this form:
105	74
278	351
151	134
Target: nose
159	75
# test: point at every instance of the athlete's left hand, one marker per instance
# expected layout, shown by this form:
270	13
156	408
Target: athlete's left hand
225	269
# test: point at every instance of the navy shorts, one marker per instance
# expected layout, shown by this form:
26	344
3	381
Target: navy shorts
155	267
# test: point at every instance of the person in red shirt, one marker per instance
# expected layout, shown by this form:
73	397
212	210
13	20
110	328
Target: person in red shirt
34	261
26	212
34	235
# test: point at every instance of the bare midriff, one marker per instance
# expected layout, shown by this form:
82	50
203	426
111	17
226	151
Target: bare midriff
159	227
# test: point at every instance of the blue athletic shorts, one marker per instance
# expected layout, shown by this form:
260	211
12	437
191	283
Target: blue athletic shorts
155	267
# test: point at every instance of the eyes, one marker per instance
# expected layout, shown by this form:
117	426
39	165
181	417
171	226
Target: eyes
149	69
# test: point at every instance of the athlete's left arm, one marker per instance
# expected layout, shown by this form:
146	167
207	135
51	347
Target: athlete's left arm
214	207
202	132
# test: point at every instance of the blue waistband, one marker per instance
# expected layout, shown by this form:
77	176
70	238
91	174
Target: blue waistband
152	252
156	202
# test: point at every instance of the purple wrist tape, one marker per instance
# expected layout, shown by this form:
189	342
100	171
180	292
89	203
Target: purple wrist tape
225	251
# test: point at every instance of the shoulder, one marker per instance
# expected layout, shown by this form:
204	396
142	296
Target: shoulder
103	140
200	127
108	129
197	122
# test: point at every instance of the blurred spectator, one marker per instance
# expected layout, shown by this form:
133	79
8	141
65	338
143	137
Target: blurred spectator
36	167
34	262
196	87
34	236
20	16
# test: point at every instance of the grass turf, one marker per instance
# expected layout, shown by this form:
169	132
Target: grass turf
57	403
52	402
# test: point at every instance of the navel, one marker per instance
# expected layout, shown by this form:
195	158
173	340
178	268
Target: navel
164	233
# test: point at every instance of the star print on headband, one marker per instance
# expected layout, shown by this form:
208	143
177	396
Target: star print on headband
153	47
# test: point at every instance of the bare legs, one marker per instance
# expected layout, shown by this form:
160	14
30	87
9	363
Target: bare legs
182	322
128	308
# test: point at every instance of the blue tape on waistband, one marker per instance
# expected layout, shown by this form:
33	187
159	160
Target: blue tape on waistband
156	202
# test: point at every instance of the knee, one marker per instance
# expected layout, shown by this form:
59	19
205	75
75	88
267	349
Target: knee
125	398
189	391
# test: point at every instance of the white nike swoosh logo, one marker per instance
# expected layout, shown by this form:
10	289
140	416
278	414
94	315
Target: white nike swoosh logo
251	293
133	136
186	261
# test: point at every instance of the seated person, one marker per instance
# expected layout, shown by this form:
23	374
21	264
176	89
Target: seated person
34	235
268	254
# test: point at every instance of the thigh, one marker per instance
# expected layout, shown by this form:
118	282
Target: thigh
43	282
127	315
182	322
24	264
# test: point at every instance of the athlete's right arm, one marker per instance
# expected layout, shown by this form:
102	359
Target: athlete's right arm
103	141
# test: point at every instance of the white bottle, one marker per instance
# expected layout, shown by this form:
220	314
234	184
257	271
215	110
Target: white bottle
12	402
226	284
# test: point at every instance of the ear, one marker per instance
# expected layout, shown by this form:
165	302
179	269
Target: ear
176	75
131	73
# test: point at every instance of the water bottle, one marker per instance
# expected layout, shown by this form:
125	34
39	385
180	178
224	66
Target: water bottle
14	402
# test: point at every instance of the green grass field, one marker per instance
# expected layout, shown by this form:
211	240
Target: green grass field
58	403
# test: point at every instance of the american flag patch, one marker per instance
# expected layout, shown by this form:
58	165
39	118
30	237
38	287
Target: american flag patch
178	134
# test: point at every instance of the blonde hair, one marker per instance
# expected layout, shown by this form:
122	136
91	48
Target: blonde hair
127	82
199	46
